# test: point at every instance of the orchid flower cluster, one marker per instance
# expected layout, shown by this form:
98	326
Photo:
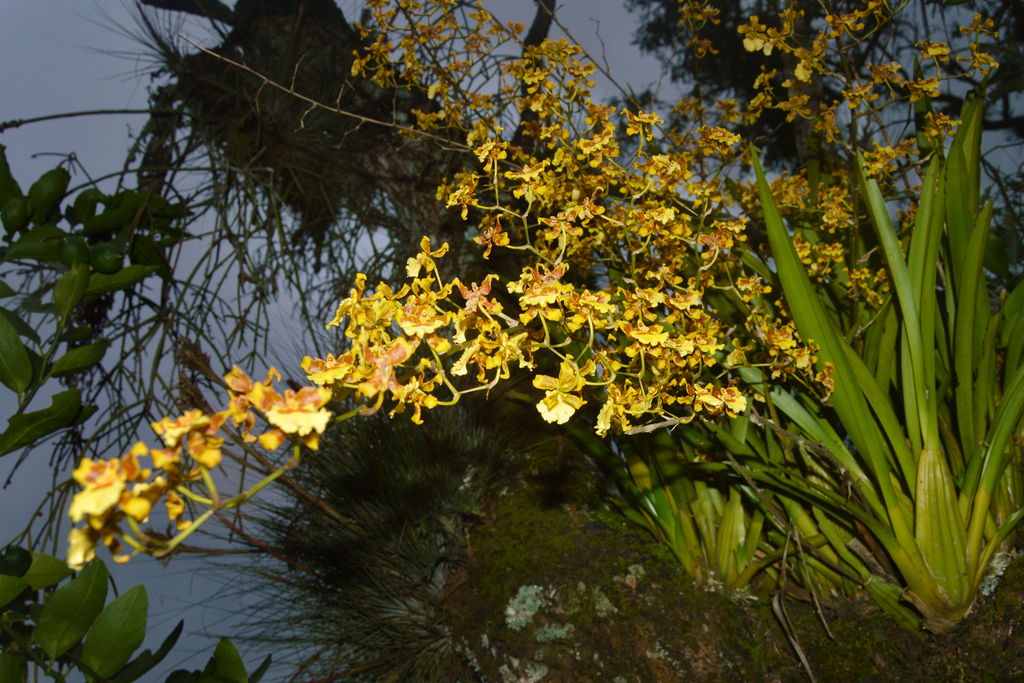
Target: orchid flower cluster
640	285
193	447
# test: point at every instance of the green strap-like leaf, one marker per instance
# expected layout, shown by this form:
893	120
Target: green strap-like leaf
820	431
1014	343
705	516
890	599
984	473
922	265
814	325
884	358
72	610
964	337
985	380
916	394
996	542
732	538
963	180
848	400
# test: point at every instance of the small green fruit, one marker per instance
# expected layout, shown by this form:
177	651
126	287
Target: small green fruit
73	249
14	215
106	258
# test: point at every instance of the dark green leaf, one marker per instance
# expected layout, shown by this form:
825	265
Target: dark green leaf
71	610
33	304
84	414
78	359
38	243
70	289
47	192
146	661
183	676
161	206
1013	305
8	185
145	252
15	370
117	632
70	216
85	203
15	561
79	333
20	325
996	259
257	675
36	251
5	290
37	365
25	428
120	240
42	233
10	588
122	279
226	666
110	220
12	668
46	571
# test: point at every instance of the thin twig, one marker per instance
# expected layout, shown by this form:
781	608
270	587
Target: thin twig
318	105
645	429
17	123
779	607
604	71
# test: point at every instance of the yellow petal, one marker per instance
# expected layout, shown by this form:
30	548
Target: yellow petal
95	500
272	440
299	421
82	549
558	407
604	419
545	382
412	267
175	505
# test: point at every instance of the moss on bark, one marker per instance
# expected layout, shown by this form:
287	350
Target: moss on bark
561	588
